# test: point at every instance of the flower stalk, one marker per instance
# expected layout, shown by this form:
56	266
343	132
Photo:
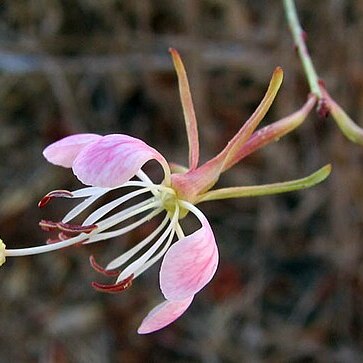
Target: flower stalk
299	37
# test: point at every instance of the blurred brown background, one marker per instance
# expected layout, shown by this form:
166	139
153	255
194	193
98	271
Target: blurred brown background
290	282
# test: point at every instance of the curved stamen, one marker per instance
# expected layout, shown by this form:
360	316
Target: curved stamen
54	194
114	288
157	257
101	269
87	192
193	209
100	212
179	231
120	260
127	213
77	210
66	227
95	193
134	266
143	176
121	231
46	248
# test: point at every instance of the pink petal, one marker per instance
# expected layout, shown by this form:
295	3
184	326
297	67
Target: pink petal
113	160
189	264
64	151
163	315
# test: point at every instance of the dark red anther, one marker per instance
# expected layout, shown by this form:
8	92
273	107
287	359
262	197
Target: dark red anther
101	269
48	225
66	230
66	227
54	194
114	288
75	228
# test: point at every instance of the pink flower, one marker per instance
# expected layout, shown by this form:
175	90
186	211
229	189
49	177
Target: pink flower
115	162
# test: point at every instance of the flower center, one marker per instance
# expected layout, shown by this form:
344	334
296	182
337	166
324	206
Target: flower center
170	201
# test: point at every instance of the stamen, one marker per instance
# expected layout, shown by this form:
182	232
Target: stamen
66	227
47	225
54	194
143	176
94	193
100	212
101	269
120	260
128	213
179	231
48	247
114	288
89	191
148	182
82	206
121	231
157	257
76	228
136	265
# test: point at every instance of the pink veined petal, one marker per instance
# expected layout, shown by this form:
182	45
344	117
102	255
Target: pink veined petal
113	160
163	315
190	263
64	151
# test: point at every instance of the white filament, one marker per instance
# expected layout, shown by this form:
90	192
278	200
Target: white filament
100	212
46	248
145	257
89	191
81	207
157	257
119	232
126	214
120	260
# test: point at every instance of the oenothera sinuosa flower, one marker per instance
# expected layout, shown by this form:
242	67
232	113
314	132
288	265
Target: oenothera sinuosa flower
115	162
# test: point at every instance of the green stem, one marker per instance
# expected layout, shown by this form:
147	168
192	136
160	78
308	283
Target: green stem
268	189
299	39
